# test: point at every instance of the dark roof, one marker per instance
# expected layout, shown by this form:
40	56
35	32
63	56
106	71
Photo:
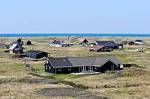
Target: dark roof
28	42
106	43
35	51
85	41
82	61
60	62
99	61
139	41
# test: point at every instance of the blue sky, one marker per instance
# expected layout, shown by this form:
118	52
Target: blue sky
75	16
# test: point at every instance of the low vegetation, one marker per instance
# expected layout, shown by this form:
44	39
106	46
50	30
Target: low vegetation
20	82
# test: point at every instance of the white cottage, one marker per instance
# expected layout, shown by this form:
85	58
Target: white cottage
15	48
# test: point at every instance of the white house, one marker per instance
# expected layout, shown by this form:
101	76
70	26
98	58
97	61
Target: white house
16	48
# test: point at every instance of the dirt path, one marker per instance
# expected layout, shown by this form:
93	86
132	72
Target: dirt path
35	86
76	91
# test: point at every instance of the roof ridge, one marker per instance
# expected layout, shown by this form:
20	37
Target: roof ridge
106	59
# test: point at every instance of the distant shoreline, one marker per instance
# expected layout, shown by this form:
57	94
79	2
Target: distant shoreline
73	34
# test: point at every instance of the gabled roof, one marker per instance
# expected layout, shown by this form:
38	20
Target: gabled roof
82	61
99	61
97	47
84	41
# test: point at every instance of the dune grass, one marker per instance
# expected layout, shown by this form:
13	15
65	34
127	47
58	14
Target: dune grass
131	83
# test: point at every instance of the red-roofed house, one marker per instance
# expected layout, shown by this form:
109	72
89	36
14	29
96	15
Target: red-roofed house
100	48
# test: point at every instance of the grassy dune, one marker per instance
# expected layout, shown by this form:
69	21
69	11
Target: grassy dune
18	82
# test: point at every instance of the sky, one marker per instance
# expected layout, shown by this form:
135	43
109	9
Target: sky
74	16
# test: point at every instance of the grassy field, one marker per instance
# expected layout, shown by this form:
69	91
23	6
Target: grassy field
19	82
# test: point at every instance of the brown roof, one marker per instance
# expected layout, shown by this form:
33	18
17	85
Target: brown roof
97	47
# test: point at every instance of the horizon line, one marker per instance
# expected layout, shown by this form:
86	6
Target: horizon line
68	33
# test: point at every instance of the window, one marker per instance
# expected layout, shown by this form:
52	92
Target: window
59	69
49	67
112	67
121	66
95	68
69	69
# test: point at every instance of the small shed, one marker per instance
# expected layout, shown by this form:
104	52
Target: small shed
36	54
28	42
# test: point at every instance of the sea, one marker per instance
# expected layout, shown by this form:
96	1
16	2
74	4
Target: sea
73	34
